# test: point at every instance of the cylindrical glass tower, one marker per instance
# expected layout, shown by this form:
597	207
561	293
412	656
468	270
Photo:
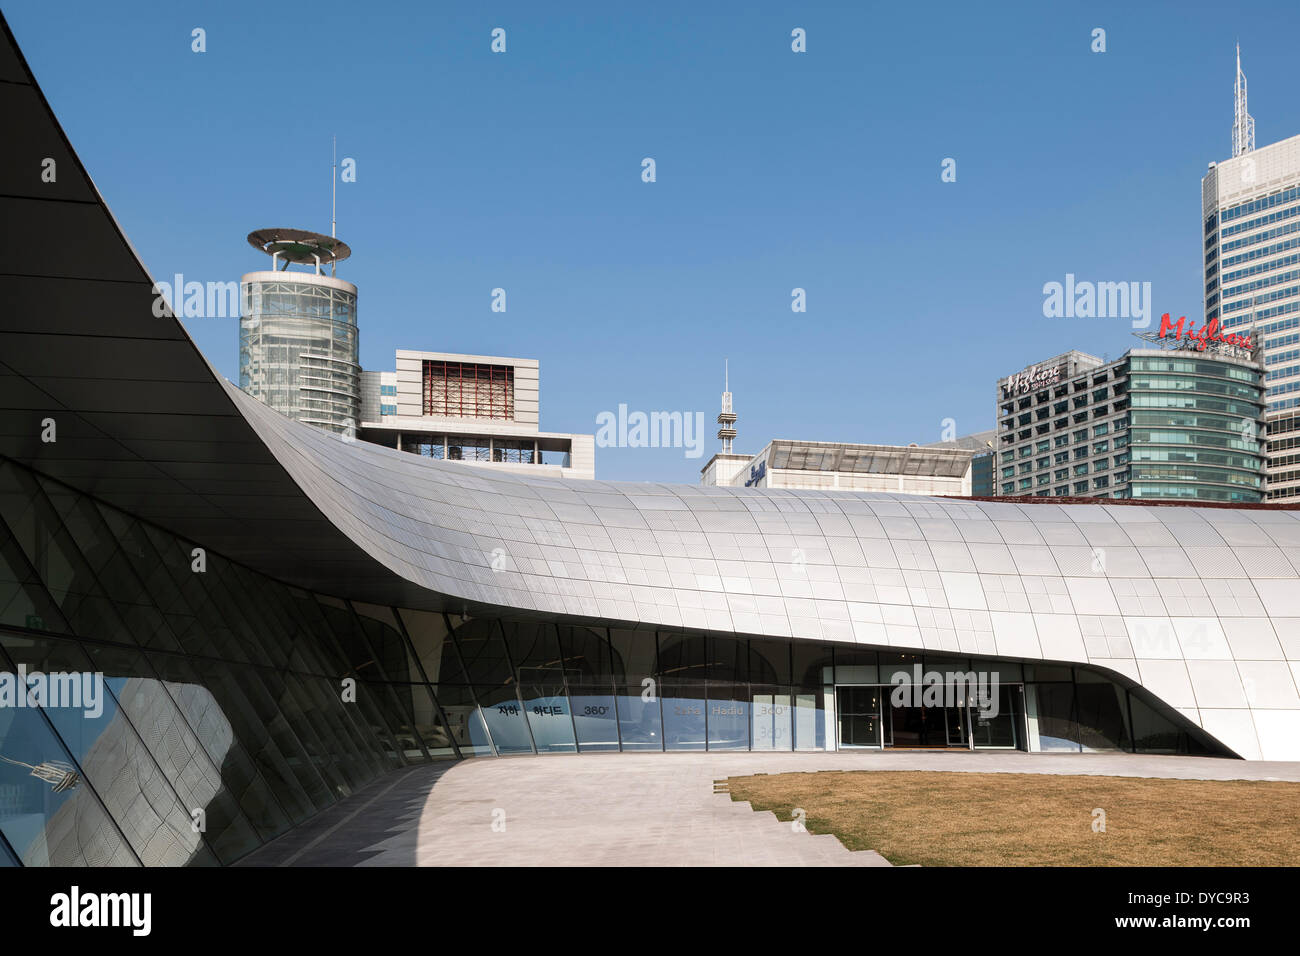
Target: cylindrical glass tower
298	345
1196	430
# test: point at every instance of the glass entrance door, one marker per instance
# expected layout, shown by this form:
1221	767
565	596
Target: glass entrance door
956	725
1003	729
919	726
927	727
858	710
867	717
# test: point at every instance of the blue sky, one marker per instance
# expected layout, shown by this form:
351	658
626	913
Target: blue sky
775	170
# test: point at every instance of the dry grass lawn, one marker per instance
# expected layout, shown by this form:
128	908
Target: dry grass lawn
1018	819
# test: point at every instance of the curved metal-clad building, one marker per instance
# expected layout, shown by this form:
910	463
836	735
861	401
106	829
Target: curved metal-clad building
277	614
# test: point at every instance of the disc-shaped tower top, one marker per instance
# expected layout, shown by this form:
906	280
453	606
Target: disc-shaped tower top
299	245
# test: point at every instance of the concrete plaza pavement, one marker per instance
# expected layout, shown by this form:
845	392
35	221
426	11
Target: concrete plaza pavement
628	809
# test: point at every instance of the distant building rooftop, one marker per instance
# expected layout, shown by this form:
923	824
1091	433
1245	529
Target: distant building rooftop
976	442
868	459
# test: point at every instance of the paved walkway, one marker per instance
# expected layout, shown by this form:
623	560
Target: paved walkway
640	809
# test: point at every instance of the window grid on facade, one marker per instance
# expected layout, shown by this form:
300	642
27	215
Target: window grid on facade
469	390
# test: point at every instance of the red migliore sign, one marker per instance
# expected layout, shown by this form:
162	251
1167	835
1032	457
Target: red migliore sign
1207	335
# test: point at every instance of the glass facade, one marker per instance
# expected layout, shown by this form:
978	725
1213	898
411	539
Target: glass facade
981	476
1154	424
188	712
1196	430
298	347
1259	291
445	447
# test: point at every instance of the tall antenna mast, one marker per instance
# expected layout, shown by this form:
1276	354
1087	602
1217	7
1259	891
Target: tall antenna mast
334	192
1243	124
726	417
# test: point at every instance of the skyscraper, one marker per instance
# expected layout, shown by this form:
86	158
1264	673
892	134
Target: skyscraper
1250	205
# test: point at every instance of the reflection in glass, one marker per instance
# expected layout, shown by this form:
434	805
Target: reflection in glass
858	712
639	724
433	647
585	654
464	719
682	657
810	719
534	652
595	717
505	719
813	663
1002	730
685	723
1157	732
773	727
857	666
45	826
633	654
215	731
385	637
106	747
769	661
729	711
1102	713
1052	704
547	708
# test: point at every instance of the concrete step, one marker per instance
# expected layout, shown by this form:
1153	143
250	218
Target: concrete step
762	832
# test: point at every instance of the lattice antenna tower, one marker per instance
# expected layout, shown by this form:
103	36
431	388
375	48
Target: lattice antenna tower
1243	124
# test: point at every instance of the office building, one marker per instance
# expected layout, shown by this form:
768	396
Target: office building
1250	206
1171	423
378	395
481	409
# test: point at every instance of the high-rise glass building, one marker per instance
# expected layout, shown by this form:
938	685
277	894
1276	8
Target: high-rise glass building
298	343
1170	423
1193	427
1250	207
